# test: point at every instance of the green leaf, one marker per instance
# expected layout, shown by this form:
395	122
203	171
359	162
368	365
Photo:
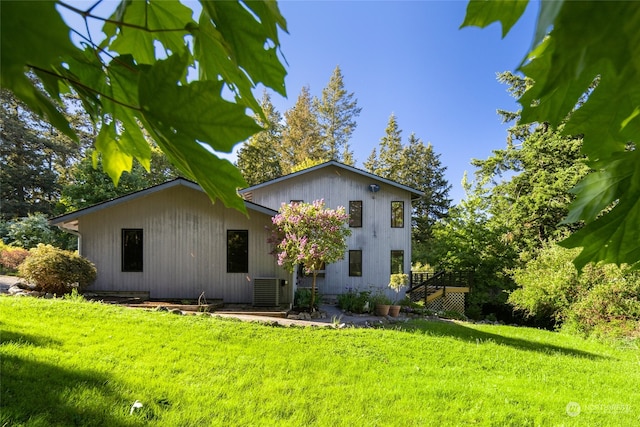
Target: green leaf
607	119
248	46
41	46
612	237
215	59
185	117
114	159
548	12
482	13
165	21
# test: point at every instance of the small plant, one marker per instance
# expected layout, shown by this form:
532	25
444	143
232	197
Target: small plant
379	298
303	298
354	301
74	296
57	271
398	281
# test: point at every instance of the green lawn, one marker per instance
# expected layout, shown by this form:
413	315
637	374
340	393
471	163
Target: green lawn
75	363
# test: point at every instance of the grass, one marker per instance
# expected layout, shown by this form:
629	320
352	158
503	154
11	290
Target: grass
68	363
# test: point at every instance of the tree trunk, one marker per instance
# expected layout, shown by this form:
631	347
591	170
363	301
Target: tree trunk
313	290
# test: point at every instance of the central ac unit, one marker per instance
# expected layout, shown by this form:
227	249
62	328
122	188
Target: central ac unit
266	292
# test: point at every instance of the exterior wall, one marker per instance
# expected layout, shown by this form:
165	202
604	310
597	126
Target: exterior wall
375	238
184	246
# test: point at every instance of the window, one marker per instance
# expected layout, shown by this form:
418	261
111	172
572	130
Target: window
397	214
355	213
397	262
131	249
355	263
237	251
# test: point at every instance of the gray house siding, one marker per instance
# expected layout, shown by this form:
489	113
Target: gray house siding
184	246
376	238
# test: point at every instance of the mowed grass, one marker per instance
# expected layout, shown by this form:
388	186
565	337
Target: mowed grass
68	363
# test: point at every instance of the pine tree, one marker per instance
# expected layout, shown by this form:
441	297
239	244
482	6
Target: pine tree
337	111
259	159
301	137
423	170
387	163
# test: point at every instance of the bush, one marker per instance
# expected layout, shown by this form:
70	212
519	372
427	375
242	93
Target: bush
11	257
354	301
302	298
57	271
603	300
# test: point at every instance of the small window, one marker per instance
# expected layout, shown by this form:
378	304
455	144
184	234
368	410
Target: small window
132	249
355	213
397	214
397	262
355	263
237	251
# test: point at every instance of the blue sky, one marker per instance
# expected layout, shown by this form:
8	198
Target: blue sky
408	58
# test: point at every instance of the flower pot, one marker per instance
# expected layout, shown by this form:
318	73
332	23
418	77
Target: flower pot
382	309
394	310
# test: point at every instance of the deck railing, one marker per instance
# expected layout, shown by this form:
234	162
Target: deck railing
423	284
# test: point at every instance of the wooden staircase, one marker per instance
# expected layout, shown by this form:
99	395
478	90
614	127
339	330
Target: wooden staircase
428	287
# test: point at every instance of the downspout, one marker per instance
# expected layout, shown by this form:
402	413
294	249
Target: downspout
75	233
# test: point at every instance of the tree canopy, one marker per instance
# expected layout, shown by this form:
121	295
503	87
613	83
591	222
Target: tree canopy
137	76
587	50
310	235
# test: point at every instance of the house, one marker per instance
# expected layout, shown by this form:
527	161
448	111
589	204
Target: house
380	221
170	241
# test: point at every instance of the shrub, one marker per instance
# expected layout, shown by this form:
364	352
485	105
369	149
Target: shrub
302	298
57	271
611	309
354	301
11	257
603	300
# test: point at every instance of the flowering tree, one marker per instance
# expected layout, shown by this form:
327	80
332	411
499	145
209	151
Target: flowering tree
310	235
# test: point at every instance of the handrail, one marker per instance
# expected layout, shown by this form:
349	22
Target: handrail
439	280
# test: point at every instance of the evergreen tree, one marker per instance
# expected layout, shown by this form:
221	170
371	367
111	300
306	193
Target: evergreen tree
542	165
32	155
301	138
417	166
337	111
422	169
387	163
91	185
259	158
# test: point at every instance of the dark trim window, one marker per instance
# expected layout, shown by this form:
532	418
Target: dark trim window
355	263
397	214
132	249
397	262
355	213
237	251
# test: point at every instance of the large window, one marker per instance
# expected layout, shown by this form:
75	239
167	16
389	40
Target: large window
355	213
397	262
132	249
237	251
397	214
355	263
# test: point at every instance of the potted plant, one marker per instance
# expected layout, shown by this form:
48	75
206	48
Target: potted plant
397	282
381	304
